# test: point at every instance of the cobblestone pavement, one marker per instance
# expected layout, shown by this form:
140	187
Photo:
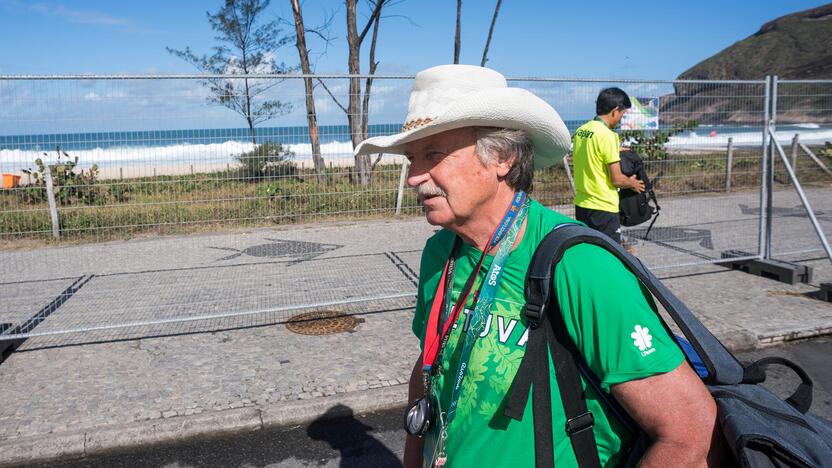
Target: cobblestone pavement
71	395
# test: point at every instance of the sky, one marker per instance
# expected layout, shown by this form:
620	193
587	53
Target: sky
648	40
600	39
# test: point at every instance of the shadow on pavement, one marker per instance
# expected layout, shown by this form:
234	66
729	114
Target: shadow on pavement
351	437
337	438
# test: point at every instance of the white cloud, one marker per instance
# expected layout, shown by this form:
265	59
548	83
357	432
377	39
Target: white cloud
91	17
324	105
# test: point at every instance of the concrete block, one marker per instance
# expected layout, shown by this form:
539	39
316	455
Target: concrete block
785	272
825	292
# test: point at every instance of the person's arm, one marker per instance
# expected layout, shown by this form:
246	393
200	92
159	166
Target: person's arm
413	445
619	180
680	416
615	324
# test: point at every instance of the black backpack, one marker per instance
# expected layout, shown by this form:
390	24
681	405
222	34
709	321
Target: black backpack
635	207
761	429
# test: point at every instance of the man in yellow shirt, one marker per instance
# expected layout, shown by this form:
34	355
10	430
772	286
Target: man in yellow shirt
598	176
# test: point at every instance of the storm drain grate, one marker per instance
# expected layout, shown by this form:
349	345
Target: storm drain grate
322	322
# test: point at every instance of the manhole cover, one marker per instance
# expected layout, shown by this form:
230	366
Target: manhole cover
322	322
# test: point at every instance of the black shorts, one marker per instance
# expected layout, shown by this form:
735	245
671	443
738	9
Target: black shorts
604	221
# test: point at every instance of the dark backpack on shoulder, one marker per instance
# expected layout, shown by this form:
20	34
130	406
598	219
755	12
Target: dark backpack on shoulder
761	429
635	207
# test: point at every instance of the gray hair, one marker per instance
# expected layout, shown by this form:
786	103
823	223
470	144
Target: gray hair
505	143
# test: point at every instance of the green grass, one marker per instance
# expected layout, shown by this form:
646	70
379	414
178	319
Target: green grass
198	202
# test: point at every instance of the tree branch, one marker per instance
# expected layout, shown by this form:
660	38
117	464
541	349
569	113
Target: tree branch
490	32
374	17
375	163
365	105
333	97
457	38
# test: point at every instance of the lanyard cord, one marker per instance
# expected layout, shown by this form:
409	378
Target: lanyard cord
435	341
476	319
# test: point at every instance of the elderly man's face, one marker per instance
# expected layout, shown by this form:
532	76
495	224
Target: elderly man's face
449	176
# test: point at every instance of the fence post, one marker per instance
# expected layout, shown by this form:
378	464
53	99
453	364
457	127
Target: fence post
815	159
795	145
399	195
761	235
53	207
569	172
729	164
772	130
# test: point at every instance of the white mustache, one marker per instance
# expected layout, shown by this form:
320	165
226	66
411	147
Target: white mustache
429	190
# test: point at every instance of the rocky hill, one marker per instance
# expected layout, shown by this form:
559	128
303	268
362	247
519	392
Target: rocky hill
796	46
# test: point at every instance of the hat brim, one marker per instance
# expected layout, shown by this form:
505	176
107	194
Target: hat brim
514	108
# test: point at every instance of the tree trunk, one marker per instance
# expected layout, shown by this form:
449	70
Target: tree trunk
353	116
490	32
249	118
365	105
251	130
457	41
311	115
354	40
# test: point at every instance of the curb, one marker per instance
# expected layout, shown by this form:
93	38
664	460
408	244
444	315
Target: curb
365	401
794	335
80	444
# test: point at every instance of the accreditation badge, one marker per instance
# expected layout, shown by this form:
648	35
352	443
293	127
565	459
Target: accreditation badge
433	452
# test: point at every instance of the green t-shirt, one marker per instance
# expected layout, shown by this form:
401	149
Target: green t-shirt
594	147
610	318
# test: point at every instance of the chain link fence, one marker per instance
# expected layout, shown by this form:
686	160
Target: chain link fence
703	157
165	155
94	161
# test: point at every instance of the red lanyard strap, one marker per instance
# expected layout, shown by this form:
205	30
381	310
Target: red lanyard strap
446	298
439	327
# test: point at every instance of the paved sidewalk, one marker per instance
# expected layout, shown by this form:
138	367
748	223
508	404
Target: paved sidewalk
73	395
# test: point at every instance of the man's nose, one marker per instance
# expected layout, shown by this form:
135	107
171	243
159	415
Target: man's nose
418	173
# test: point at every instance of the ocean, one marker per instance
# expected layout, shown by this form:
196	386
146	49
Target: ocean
222	145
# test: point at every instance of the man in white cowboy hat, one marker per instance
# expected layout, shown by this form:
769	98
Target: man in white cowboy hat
473	143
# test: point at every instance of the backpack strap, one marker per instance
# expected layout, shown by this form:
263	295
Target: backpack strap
579	420
723	368
534	368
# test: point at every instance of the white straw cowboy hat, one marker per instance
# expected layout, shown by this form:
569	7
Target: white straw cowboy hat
455	96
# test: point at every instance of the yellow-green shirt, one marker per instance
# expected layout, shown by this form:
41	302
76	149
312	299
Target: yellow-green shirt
594	147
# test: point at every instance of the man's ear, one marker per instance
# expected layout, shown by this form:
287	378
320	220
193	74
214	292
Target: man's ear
503	167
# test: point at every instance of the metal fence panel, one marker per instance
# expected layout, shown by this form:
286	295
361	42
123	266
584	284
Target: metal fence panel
803	126
170	161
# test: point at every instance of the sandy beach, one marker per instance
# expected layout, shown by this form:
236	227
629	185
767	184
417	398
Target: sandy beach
134	171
